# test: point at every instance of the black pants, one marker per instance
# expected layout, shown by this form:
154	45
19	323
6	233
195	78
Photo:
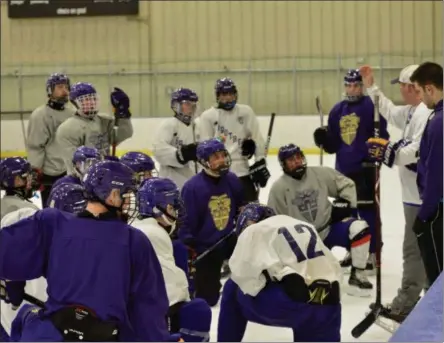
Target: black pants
48	181
208	272
430	244
251	194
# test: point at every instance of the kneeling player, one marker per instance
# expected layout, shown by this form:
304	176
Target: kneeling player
159	204
142	164
302	192
281	275
83	158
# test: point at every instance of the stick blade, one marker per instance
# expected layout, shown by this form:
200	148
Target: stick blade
368	321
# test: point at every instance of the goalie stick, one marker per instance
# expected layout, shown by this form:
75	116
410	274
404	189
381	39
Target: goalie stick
321	116
372	317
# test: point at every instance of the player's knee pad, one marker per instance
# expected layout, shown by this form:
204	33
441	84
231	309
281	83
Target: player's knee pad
195	321
359	242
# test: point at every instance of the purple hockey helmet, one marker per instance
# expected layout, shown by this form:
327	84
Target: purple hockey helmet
12	167
252	214
142	164
54	80
68	197
353	85
225	86
83	158
160	198
184	104
292	151
105	176
208	148
85	98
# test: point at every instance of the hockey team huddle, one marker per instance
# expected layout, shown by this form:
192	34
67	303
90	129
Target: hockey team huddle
122	251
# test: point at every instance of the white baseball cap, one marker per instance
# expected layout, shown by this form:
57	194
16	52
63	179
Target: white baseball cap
406	73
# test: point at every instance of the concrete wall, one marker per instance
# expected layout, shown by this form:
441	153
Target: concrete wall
192	43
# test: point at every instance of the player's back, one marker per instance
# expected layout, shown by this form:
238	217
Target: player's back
299	249
90	264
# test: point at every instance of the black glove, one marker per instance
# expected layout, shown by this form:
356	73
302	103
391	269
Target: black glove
248	148
295	287
342	209
323	292
320	136
259	173
121	103
12	292
187	153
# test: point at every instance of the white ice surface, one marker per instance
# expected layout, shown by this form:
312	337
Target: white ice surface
353	308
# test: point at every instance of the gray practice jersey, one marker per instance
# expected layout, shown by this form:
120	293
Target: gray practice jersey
41	149
11	203
307	199
95	133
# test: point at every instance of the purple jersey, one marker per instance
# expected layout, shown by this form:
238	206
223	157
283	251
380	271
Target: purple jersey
211	207
430	169
350	125
105	265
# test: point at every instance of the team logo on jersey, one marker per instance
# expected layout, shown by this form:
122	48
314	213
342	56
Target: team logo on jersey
349	127
240	120
307	203
220	206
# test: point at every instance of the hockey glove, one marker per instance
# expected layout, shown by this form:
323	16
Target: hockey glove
324	292
37	180
382	150
248	148
187	153
121	103
341	209
320	136
295	287
12	292
259	173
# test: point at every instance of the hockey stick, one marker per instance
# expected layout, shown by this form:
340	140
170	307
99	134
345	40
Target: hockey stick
115	128
212	248
194	141
321	116
371	318
33	300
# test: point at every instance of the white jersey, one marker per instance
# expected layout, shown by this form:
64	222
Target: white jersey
281	245
170	136
95	133
175	279
412	121
36	288
233	127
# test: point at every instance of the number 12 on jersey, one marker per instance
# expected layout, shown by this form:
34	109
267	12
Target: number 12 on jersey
310	251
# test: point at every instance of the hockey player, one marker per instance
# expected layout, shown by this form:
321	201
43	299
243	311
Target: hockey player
350	125
302	192
83	158
212	200
238	127
411	120
428	226
175	143
90	128
41	149
68	197
96	247
282	275
159	205
142	164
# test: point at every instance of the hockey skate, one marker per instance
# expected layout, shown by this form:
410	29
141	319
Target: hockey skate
358	284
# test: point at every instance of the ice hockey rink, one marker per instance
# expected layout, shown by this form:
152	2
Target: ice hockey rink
353	308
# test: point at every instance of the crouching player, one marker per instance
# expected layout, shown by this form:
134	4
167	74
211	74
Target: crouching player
212	200
303	193
282	275
159	205
83	158
94	246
